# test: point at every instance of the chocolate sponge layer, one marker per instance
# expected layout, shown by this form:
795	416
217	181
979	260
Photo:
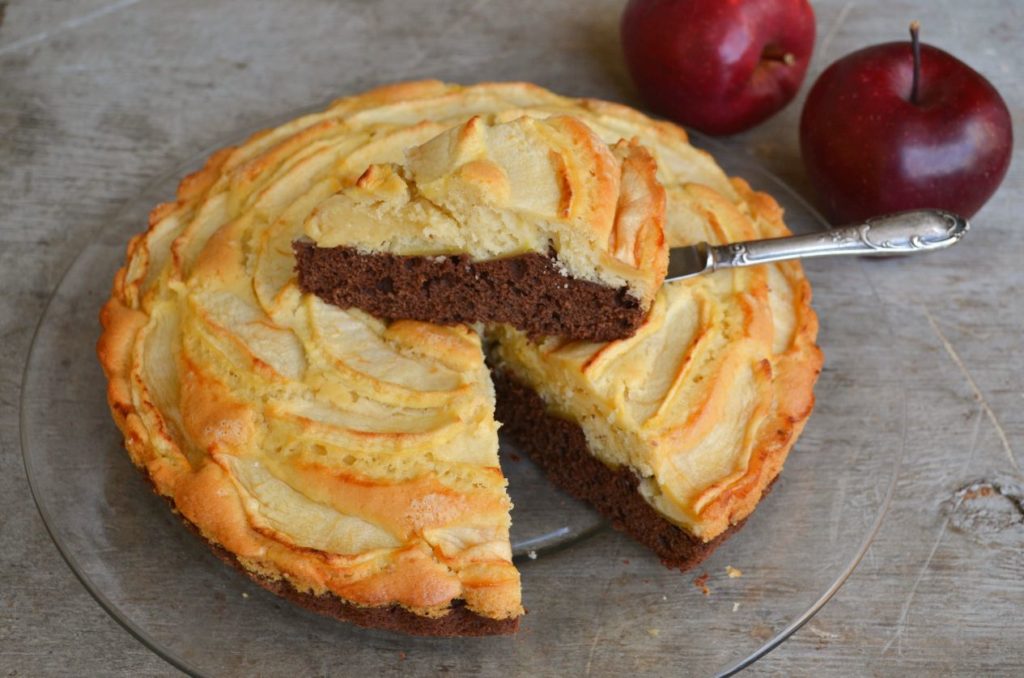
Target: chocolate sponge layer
527	291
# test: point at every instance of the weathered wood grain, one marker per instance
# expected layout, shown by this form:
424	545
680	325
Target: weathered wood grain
99	98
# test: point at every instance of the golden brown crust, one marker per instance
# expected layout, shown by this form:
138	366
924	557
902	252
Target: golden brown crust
459	621
793	372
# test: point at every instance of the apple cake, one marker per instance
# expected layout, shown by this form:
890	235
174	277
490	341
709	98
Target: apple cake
348	460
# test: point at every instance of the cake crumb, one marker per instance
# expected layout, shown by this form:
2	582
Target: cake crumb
653	633
664	597
701	582
244	594
532	555
401	656
625	561
733	572
735	606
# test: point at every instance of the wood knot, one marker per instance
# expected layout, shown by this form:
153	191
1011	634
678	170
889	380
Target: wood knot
990	510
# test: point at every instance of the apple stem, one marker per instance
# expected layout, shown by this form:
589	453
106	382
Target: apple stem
915	44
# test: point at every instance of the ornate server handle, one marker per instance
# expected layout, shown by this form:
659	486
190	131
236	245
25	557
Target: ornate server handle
903	233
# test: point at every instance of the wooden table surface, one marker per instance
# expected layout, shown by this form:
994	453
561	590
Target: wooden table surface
98	98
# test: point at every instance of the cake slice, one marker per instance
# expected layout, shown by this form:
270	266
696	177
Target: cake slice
536	223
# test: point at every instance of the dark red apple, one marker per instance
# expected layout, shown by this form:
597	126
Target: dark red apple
719	66
873	141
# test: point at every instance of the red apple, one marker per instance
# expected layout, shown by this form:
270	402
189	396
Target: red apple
874	142
720	66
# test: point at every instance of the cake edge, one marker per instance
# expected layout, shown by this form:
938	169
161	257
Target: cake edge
560	448
460	622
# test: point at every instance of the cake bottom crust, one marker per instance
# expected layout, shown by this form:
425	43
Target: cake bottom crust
559	446
527	291
459	622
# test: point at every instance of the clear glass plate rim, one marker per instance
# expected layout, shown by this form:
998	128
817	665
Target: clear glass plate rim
703	142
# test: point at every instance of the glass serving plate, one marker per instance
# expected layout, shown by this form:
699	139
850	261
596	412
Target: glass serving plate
597	601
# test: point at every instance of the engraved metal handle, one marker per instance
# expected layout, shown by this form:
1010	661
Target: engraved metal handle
903	233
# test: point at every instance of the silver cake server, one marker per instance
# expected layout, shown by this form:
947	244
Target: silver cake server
893	234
